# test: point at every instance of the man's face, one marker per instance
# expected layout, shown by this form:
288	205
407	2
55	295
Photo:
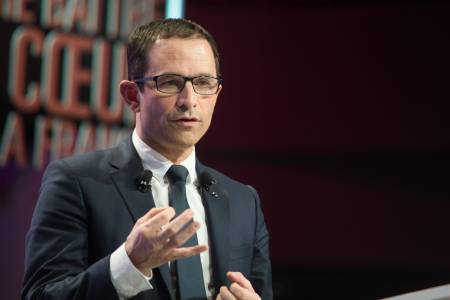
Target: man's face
176	122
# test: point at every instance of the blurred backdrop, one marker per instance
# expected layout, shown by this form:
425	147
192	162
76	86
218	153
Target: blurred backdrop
337	112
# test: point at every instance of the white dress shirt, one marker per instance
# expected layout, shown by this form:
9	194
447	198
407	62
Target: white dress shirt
126	278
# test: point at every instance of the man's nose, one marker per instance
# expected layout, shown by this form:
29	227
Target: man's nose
187	97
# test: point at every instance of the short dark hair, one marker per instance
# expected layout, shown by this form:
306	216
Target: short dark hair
144	36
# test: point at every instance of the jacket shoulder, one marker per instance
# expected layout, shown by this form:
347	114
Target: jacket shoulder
87	163
89	159
230	184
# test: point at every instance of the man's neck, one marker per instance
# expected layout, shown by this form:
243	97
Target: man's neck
175	154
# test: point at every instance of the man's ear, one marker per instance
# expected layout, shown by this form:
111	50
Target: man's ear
220	89
130	93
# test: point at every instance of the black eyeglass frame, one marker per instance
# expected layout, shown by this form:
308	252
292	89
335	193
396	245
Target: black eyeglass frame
186	78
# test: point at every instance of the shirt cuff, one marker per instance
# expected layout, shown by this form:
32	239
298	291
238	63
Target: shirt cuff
126	278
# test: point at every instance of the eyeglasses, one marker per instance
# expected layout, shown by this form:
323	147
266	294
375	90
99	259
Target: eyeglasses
174	84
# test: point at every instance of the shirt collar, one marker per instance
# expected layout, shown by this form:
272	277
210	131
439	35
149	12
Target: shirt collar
158	164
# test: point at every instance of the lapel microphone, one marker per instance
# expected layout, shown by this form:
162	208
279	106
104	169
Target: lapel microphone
206	181
143	181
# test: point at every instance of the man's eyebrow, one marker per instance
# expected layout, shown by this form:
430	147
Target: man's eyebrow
194	75
204	74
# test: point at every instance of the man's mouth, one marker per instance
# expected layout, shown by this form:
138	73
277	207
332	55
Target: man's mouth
187	120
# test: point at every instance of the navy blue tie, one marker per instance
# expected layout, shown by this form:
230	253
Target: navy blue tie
190	284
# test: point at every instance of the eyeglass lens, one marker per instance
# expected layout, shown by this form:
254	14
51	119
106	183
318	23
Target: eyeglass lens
203	85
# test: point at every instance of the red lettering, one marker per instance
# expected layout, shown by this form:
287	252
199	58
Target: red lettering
74	76
13	144
25	98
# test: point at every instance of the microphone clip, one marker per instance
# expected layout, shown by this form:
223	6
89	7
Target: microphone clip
206	181
143	181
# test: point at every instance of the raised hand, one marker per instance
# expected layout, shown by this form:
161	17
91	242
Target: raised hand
157	239
240	289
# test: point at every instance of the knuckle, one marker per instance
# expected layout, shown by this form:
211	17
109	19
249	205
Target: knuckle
165	218
172	243
139	230
163	237
145	235
235	288
170	231
144	231
191	229
147	225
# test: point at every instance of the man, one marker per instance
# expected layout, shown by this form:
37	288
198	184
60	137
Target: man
97	233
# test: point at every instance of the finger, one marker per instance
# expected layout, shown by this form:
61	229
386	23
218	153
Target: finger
240	279
219	297
241	292
160	219
151	213
180	253
176	224
154	211
226	294
183	235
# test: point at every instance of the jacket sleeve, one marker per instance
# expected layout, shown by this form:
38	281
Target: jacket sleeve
57	264
261	272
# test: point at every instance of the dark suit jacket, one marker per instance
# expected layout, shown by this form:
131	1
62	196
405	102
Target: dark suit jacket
88	205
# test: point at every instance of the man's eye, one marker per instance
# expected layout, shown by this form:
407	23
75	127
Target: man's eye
168	82
204	82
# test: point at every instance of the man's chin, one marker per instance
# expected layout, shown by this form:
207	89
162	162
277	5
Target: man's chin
185	143
186	139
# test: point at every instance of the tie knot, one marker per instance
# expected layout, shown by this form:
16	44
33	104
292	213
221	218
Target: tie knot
177	173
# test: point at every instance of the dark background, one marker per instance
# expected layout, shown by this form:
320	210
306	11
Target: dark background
337	113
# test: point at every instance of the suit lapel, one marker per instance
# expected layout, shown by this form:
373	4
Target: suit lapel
218	218
127	167
124	177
